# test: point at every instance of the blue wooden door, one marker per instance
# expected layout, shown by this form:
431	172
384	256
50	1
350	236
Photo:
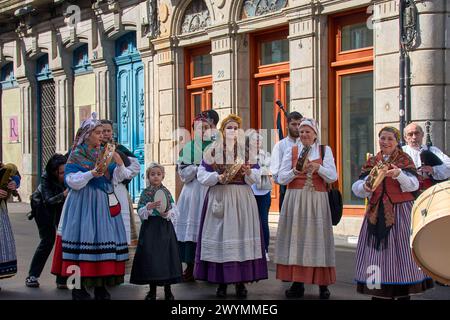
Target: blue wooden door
130	104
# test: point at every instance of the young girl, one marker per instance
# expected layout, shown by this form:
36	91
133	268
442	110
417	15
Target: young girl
157	260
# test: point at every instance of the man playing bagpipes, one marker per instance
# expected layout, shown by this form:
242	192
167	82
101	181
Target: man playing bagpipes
432	164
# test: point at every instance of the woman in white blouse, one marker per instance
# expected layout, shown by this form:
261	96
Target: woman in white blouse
230	249
304	251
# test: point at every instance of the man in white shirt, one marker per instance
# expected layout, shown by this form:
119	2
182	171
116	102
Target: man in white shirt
428	175
281	147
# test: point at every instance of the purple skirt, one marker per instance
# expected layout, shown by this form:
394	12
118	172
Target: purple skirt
228	272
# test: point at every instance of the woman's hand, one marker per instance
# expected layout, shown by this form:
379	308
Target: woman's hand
3	194
246	169
153	205
394	172
66	192
426	169
221	178
95	173
12	185
296	172
117	159
366	188
312	167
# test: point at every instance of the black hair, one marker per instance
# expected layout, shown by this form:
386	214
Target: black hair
214	116
294	115
53	164
105	121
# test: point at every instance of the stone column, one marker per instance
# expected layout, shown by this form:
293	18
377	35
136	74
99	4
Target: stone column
223	66
105	89
64	110
303	64
29	126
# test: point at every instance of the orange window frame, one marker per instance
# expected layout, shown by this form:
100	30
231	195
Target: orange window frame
344	63
196	85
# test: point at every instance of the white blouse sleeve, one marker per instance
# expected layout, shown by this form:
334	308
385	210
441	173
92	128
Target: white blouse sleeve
328	168
275	162
253	177
441	172
143	213
122	173
78	180
286	173
408	182
188	173
358	189
207	178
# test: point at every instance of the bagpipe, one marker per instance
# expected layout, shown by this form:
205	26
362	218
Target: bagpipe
427	157
279	125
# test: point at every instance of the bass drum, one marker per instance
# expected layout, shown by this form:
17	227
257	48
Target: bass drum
430	232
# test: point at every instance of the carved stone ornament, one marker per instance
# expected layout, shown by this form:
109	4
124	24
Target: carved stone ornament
253	8
163	12
218	3
196	17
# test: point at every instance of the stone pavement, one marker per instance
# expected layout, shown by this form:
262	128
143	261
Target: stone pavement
26	236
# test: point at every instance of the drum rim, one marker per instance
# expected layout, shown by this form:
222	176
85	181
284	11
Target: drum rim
431	191
165	196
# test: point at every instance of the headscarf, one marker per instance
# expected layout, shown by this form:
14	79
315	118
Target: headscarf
192	152
312	123
380	210
393	130
82	158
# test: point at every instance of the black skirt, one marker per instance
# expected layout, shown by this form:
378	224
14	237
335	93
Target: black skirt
157	259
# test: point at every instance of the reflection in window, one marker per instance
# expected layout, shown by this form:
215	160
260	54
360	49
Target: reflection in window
274	51
202	65
357	129
356	36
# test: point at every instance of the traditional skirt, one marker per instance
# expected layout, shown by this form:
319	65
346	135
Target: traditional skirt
157	260
392	267
304	250
90	238
230	248
187	225
8	260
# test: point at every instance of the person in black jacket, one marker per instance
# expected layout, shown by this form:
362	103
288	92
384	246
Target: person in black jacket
47	203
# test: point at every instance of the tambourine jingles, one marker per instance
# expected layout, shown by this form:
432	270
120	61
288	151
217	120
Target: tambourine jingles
376	176
7	171
105	157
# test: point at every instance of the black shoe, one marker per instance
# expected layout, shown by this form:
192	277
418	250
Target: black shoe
221	291
100	293
241	291
324	293
404	298
80	294
151	295
32	282
297	290
168	293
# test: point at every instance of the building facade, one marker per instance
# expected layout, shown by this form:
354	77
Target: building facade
150	66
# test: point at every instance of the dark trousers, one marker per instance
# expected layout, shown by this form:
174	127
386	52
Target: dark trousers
263	208
47	233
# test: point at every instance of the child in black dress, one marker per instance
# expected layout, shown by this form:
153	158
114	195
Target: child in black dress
157	260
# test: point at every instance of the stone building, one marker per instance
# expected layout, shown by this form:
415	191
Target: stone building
150	66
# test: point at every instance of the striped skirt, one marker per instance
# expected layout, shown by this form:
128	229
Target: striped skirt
390	271
8	260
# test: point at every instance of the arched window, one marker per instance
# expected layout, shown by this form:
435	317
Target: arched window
196	17
81	62
7	78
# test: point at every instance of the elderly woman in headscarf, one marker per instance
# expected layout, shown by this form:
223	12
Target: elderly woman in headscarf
384	264
190	202
304	251
91	236
230	247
